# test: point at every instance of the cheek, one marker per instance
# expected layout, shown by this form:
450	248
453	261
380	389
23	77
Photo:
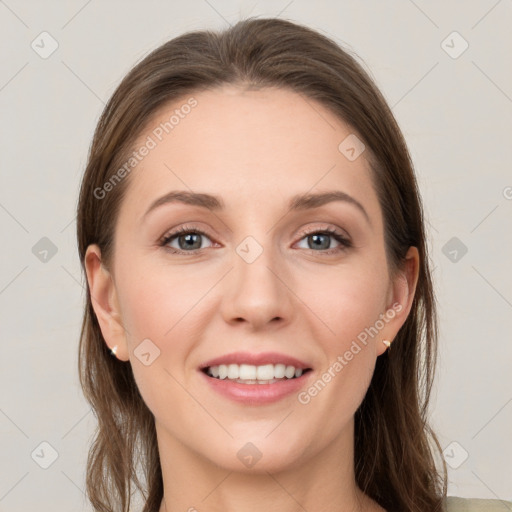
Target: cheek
350	309
348	300
154	300
154	305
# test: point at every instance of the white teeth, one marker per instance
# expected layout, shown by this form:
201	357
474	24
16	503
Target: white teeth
279	371
223	371
265	372
250	374
233	371
289	373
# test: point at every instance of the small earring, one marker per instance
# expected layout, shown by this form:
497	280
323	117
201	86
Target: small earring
113	350
387	343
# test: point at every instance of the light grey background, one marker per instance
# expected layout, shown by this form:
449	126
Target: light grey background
455	114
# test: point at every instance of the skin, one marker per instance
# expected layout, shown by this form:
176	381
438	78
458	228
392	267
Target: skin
254	149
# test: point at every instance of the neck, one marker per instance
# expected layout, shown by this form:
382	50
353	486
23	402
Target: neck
324	481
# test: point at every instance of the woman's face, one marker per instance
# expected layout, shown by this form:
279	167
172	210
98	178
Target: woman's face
265	284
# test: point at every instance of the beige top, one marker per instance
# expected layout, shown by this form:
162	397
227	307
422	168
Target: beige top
455	504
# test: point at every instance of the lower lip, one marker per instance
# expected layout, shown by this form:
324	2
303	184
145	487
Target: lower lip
256	394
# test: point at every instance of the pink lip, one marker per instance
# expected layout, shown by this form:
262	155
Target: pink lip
256	394
256	360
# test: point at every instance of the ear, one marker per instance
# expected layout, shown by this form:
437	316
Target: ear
105	303
400	299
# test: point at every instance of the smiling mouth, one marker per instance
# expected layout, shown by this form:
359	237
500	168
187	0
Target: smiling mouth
251	374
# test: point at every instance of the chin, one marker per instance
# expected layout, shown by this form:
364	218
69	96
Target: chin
257	455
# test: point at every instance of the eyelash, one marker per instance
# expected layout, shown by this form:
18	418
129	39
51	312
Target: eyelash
345	242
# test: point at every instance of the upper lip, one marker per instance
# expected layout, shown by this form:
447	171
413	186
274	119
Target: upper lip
255	359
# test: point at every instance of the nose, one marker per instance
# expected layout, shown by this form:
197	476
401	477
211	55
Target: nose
257	291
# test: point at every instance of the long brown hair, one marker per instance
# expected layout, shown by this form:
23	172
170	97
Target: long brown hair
394	445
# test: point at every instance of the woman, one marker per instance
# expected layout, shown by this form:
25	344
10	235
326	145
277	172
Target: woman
260	328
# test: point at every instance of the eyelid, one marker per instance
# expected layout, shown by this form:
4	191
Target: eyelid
173	233
329	229
343	239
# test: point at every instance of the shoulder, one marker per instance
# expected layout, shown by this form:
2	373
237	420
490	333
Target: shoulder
454	504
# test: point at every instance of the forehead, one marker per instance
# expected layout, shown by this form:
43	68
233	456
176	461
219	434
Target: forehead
248	146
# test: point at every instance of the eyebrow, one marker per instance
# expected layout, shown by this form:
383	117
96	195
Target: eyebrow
298	202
